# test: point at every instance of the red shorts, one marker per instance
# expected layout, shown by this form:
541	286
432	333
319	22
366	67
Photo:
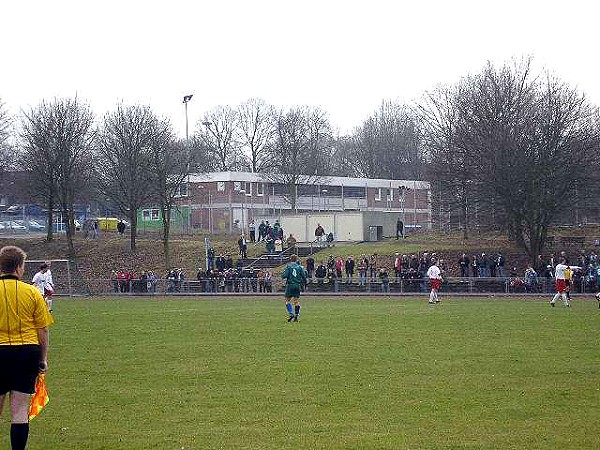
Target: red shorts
48	292
435	283
561	286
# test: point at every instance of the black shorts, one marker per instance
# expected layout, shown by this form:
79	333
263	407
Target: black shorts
20	367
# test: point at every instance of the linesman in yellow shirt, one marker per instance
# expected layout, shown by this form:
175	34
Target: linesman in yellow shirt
24	321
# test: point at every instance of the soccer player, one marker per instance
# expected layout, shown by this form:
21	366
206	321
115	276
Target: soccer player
435	281
43	281
23	341
561	273
295	277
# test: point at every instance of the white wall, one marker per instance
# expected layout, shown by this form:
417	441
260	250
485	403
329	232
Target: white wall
345	226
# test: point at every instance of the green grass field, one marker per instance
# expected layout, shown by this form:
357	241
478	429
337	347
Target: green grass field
354	373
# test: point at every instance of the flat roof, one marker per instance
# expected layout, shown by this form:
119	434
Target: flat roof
322	180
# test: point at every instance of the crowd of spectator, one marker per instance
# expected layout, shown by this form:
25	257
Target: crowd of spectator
222	274
127	281
585	270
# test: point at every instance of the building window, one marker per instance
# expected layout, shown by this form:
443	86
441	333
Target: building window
150	215
221	186
260	189
354	192
237	186
378	194
248	187
390	195
182	190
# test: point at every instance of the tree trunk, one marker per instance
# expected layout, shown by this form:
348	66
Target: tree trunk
70	215
166	218
133	219
49	231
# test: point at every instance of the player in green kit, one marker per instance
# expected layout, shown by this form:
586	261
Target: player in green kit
295	277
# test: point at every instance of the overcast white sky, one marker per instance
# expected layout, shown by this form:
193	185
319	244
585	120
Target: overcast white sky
344	56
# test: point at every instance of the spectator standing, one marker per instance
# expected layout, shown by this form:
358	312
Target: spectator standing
310	267
540	265
398	267
399	228
220	263
339	267
464	264
291	241
484	266
500	262
114	280
269	243
210	257
121	228
363	265
373	267
276	228
243	244
252	231
321	272
385	280
228	261
23	341
95	228
530	279
349	266
475	266
268	281
262	231
319	233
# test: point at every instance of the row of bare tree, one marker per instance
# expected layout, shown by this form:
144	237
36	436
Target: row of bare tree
506	143
517	146
131	157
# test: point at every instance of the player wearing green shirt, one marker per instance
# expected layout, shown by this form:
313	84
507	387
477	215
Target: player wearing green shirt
295	277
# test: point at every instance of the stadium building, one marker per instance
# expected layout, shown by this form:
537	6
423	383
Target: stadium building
228	201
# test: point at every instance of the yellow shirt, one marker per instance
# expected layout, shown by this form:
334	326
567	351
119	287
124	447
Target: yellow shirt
23	311
568	274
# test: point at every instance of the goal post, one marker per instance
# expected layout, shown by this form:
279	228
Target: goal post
61	273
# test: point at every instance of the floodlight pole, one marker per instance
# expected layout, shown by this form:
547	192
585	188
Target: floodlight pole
186	99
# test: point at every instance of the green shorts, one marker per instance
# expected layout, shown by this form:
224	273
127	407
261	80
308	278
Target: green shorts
292	290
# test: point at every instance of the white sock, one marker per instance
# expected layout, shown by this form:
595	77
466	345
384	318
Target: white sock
431	297
565	299
555	298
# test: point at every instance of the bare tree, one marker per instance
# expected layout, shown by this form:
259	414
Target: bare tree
519	140
127	139
303	145
6	153
439	116
256	132
218	131
57	148
168	169
387	144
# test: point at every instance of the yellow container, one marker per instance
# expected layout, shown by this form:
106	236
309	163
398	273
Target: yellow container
107	223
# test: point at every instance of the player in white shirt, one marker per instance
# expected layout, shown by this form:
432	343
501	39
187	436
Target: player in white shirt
561	274
435	281
44	283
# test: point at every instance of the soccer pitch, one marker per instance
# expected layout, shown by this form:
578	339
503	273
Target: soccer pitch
353	373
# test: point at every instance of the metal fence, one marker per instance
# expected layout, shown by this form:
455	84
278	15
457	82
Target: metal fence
333	286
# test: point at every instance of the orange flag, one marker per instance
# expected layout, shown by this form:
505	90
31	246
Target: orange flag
40	398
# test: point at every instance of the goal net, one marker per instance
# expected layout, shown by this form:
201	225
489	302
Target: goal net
61	274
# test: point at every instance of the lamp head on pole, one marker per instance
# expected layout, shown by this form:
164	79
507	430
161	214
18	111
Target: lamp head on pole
187	98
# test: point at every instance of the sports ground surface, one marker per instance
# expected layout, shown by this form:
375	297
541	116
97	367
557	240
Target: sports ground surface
353	373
